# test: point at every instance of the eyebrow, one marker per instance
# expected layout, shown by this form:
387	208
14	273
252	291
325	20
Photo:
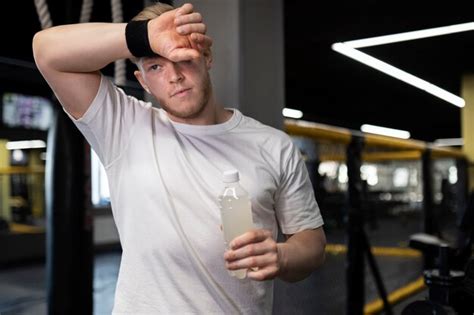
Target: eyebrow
149	61
152	59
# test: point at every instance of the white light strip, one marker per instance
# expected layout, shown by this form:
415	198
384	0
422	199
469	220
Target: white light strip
27	144
348	49
292	113
398	73
401	37
385	131
448	142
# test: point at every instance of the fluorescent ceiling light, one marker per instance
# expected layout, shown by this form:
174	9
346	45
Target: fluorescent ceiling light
349	49
27	144
398	74
403	37
385	131
448	142
292	113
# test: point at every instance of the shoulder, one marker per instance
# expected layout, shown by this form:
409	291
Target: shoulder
266	134
271	142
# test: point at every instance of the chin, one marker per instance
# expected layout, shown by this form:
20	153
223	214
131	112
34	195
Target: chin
186	112
188	108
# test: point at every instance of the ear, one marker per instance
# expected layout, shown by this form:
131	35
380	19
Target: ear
140	79
208	58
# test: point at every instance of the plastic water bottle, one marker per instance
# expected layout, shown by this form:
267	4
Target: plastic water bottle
236	212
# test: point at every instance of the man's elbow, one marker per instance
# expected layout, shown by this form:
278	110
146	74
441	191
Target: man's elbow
37	41
37	45
319	253
320	256
43	51
319	247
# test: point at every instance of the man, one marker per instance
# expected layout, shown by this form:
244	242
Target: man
165	165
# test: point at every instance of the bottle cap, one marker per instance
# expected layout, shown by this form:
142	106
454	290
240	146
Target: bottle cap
230	176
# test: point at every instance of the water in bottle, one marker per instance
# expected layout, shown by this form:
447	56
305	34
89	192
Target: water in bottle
236	212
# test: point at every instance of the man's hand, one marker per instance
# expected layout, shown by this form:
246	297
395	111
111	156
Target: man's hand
256	251
179	34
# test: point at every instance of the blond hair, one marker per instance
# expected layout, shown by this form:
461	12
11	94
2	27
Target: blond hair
152	11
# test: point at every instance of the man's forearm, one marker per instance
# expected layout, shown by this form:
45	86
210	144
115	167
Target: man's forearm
301	254
80	47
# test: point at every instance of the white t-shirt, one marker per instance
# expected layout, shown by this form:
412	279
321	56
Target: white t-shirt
165	179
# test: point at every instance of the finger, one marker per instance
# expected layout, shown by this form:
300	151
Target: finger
184	9
262	274
247	251
252	262
203	41
253	236
183	54
195	17
192	28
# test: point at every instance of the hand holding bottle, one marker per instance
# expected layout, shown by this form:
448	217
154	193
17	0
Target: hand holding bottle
257	252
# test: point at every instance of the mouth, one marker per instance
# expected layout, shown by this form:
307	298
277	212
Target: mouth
180	92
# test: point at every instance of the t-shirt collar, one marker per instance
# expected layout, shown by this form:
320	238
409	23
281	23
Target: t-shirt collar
216	129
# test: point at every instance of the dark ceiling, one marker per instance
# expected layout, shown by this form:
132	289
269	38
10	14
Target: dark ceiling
326	86
331	88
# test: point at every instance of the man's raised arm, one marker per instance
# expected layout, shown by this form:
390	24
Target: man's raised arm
70	56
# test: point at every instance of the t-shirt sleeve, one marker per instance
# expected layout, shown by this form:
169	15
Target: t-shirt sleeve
296	207
109	122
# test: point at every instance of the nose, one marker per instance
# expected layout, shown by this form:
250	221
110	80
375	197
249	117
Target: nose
175	74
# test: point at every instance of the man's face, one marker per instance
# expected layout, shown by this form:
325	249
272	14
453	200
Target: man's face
182	88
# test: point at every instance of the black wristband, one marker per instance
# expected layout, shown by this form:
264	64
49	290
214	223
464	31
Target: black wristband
136	36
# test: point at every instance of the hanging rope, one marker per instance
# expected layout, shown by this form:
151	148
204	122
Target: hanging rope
86	11
43	14
45	18
120	65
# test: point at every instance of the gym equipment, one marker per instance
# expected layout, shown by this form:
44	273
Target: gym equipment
358	246
451	281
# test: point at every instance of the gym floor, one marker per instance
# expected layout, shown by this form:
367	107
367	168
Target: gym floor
23	288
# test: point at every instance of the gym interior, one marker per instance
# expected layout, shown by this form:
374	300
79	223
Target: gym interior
379	99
